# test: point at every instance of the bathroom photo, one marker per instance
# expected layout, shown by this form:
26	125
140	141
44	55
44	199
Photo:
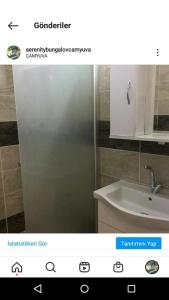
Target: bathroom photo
84	149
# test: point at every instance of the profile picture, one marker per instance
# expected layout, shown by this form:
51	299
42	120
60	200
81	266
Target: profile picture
13	52
152	267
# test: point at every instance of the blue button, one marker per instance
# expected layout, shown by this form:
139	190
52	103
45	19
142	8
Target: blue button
138	243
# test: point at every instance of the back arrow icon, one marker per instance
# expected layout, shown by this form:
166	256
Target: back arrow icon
12	25
38	288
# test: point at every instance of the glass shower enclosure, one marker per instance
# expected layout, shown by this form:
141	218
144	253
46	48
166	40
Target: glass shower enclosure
55	114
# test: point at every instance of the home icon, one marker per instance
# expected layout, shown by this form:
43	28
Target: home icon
16	268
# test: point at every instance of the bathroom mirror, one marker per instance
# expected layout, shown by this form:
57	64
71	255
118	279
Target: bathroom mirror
139	102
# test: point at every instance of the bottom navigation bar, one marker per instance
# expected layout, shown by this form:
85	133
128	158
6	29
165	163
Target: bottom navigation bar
92	287
87	266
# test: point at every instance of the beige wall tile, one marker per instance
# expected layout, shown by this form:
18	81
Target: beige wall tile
10	173
104	106
156	108
156	92
157	73
119	163
164	73
7	108
162	82
163	107
163	91
104	77
6	80
7	100
159	163
14	203
2	208
10	157
1	185
104	180
12	180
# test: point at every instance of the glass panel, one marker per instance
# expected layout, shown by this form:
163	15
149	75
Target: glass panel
56	132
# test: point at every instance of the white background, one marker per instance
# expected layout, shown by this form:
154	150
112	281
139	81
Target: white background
118	31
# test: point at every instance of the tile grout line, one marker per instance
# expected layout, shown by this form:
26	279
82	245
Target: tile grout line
3	188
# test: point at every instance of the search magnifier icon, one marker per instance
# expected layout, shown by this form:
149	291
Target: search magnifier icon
50	266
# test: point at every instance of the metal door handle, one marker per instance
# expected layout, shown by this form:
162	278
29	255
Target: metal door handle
128	92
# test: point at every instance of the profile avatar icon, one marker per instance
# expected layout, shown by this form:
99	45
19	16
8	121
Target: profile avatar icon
13	52
152	267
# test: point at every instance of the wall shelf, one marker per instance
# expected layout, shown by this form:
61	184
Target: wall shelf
160	137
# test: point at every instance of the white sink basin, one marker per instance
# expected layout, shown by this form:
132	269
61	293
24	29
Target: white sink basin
137	204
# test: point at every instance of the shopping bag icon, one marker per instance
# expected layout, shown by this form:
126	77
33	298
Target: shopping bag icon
118	267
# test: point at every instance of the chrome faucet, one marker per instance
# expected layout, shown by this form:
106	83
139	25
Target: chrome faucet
154	187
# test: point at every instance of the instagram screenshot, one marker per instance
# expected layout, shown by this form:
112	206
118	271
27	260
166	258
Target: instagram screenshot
84	148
